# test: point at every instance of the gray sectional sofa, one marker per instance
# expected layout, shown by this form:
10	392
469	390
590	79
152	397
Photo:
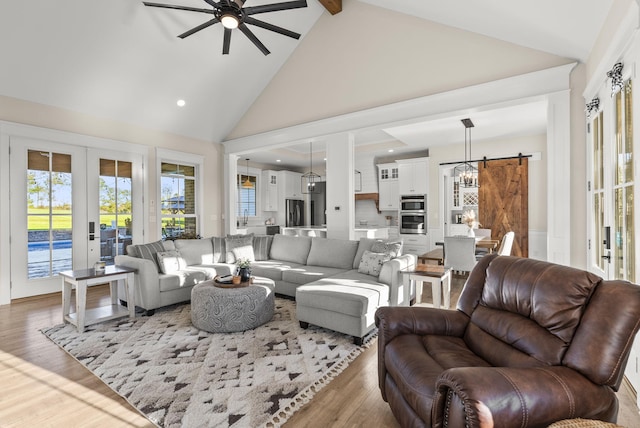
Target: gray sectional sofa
338	284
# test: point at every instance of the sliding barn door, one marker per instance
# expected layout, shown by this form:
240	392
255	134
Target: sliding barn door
503	200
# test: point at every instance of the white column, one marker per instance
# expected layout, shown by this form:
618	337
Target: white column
230	193
340	194
558	178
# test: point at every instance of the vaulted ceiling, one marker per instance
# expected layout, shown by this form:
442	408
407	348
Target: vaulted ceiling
120	60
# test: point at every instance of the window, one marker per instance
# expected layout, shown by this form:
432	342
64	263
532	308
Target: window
178	201
246	197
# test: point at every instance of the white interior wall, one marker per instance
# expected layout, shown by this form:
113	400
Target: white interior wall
355	60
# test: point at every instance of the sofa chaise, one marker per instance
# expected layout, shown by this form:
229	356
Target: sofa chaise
333	287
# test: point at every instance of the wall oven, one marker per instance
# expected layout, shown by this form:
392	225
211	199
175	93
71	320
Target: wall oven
413	214
413	203
413	222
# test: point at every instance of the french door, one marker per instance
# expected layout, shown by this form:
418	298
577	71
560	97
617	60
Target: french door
612	245
63	197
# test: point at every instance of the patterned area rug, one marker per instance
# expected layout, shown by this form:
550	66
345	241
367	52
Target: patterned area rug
179	376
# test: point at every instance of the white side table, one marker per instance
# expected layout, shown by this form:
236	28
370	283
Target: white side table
83	278
437	276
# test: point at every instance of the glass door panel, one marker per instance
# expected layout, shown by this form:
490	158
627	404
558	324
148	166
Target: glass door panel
600	252
116	221
624	253
46	179
613	212
115	203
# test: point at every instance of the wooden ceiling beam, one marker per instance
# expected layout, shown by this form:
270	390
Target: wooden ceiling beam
333	6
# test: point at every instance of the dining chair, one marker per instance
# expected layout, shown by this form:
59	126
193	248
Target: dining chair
482	234
459	254
506	244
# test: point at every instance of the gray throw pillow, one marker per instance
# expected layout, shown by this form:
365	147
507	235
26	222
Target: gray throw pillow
394	249
237	241
262	246
219	249
148	251
371	262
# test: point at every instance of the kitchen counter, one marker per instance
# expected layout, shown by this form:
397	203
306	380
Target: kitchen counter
360	231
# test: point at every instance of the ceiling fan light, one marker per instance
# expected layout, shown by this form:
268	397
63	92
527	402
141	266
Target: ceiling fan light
229	21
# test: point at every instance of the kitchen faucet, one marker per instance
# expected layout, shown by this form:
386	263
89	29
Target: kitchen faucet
245	218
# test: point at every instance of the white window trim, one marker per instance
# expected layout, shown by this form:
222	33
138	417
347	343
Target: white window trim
173	156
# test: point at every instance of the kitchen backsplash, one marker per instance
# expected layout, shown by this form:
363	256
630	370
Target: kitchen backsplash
366	210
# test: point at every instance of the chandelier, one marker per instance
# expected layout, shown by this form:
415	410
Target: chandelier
467	173
309	179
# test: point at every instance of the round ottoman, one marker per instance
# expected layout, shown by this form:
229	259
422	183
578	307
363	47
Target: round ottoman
226	310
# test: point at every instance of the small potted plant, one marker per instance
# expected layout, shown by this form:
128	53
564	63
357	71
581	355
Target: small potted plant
243	269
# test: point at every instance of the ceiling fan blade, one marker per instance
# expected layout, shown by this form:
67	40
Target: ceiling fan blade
271	27
199	27
211	3
172	6
242	27
226	41
275	7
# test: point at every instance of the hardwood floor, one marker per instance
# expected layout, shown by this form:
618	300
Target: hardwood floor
42	386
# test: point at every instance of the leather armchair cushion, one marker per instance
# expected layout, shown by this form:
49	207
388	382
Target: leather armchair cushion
532	306
415	362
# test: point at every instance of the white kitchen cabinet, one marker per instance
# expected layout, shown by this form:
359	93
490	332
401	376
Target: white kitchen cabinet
414	244
413	176
290	183
270	190
388	192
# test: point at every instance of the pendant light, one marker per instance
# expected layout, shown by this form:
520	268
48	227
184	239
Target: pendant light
247	184
309	179
466	172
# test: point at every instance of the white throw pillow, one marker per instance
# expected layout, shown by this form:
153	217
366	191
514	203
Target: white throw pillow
371	263
170	261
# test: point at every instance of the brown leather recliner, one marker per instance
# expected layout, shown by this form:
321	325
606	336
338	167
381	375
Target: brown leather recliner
530	343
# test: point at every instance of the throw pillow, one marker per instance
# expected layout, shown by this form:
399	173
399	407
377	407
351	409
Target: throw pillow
219	251
262	246
394	249
170	261
237	241
148	251
371	263
244	252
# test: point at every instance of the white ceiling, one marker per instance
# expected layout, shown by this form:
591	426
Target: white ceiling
120	60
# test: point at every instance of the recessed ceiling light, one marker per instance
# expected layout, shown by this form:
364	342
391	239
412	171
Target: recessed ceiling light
390	150
278	160
325	159
181	103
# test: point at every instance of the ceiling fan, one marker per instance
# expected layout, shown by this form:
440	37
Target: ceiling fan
232	14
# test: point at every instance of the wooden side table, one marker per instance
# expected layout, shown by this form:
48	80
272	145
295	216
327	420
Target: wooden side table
438	276
83	278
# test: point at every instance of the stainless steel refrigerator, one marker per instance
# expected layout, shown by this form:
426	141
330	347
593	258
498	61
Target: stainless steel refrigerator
295	213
